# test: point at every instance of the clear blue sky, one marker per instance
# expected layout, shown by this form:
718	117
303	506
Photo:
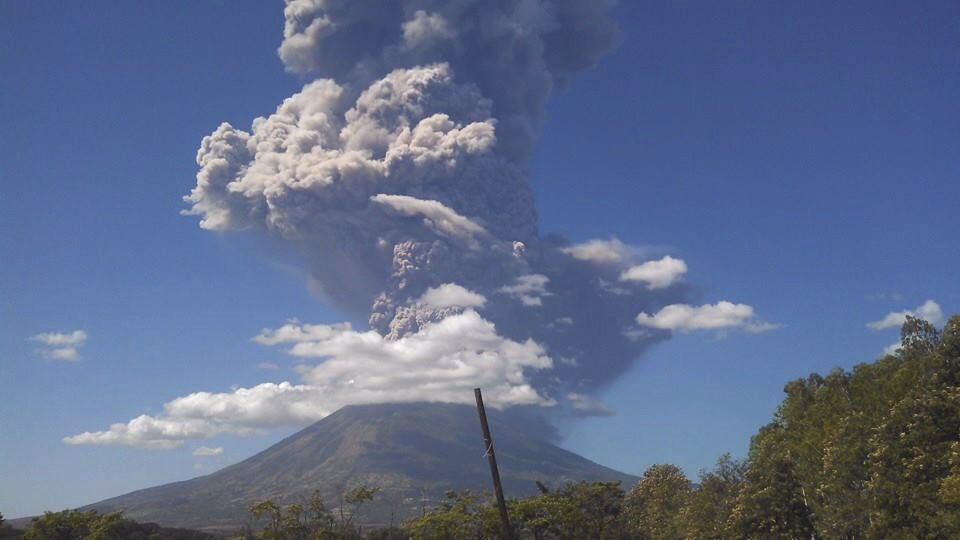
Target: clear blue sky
801	158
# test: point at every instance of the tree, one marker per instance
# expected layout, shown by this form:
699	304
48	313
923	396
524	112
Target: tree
74	525
707	515
912	454
274	516
918	336
462	515
771	503
597	509
355	498
653	507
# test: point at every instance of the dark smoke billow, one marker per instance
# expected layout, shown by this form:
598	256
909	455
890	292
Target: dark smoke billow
402	168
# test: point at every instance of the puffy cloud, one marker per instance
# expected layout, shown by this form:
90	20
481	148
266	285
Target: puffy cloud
929	311
61	346
529	289
656	274
442	362
144	432
721	315
294	332
207	451
451	295
611	251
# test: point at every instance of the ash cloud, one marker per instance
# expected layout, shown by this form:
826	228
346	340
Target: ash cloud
400	174
402	168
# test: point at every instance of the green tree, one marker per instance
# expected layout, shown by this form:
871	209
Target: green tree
912	454
75	525
771	503
598	509
462	515
707	515
653	507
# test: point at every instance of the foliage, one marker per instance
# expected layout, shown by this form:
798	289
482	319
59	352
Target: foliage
312	519
462	515
577	510
92	525
710	506
872	453
75	524
654	505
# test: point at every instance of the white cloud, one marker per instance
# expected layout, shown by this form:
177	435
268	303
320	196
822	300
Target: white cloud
892	348
293	332
451	295
721	315
759	327
529	289
61	346
442	362
208	451
929	311
601	251
657	274
584	405
438	217
267	365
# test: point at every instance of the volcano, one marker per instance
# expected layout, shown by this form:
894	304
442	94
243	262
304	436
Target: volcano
413	452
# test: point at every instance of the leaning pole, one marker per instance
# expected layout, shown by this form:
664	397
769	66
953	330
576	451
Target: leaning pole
492	458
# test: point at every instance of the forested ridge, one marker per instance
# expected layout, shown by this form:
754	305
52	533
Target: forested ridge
873	452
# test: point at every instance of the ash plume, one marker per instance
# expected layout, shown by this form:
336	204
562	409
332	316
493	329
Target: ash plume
400	174
402	169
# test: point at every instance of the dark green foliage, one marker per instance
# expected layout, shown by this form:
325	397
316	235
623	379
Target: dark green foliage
582	509
871	453
867	454
91	525
577	510
710	506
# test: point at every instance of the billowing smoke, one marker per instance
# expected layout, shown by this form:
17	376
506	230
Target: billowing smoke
400	173
403	167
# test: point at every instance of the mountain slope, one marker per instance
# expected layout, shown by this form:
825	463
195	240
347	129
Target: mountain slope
411	451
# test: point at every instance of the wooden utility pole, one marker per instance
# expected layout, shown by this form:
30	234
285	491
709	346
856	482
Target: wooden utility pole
492	458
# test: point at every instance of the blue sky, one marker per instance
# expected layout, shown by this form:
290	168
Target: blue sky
801	159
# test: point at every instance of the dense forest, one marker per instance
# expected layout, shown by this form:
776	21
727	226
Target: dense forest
869	453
